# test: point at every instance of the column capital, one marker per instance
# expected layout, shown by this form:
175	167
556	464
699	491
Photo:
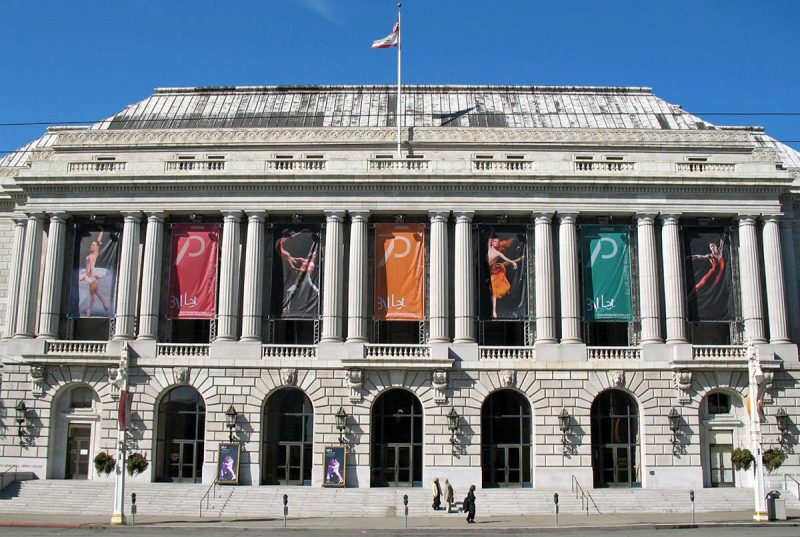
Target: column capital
464	217
541	217
646	217
334	216
359	215
59	215
232	216
256	215
772	218
567	218
132	216
439	216
747	218
156	216
670	218
35	216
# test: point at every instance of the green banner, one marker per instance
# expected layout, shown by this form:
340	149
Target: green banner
606	273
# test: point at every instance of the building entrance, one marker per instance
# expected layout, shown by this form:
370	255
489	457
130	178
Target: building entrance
720	451
506	440
288	440
78	440
181	432
615	440
396	440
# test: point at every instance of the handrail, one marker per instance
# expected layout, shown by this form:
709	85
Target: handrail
214	484
584	496
3	476
786	487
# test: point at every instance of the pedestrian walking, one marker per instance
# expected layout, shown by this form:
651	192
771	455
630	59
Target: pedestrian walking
469	504
437	494
448	495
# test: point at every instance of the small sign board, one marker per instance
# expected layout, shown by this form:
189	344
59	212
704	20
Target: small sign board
228	463
334	467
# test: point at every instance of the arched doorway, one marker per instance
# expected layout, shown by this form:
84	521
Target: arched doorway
616	457
396	440
75	432
506	440
180	436
288	438
722	415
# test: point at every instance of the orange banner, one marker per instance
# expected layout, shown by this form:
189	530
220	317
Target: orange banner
400	272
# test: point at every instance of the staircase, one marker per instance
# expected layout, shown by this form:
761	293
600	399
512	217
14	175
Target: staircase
183	500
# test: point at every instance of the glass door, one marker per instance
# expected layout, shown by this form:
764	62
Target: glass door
291	466
184	461
398	466
720	450
78	440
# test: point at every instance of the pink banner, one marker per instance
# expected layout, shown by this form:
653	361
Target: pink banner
193	272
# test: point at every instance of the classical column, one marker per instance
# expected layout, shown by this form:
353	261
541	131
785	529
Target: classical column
332	291
776	289
545	284
15	270
128	277
464	280
151	276
29	277
568	264
750	275
229	278
357	278
790	257
673	280
438	275
648	279
53	277
253	277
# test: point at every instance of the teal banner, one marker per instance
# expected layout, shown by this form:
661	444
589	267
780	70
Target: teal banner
606	273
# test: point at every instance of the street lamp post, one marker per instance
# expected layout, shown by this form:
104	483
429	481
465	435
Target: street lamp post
120	382
756	379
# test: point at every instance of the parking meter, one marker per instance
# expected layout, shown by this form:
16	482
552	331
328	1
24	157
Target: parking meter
405	503
133	498
285	508
133	508
555	501
691	499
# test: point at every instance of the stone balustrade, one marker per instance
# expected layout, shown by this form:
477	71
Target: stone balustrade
182	350
396	351
480	165
604	166
289	351
719	352
704	167
613	353
96	166
506	353
76	348
413	165
292	165
195	165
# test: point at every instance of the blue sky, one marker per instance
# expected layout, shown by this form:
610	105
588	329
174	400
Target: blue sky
87	59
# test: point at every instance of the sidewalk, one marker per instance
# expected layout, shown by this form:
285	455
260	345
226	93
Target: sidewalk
738	518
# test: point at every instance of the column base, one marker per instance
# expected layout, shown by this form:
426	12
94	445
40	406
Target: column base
118	519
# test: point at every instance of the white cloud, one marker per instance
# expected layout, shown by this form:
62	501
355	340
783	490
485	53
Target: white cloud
322	8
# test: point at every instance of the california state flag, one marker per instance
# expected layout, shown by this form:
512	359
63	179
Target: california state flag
390	40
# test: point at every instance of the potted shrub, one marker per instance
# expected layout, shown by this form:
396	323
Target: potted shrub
104	463
136	463
773	458
742	458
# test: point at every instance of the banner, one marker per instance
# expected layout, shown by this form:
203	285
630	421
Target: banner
708	274
193	271
606	257
295	271
93	288
399	272
503	272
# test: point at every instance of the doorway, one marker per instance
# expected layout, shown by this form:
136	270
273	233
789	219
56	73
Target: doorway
396	446
720	451
615	440
180	439
79	439
287	450
506	440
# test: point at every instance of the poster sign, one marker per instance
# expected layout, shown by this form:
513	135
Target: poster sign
93	289
295	269
606	260
193	271
399	272
334	467
228	463
708	274
503	272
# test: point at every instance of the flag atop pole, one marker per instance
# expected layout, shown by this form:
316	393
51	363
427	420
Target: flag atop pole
390	40
393	40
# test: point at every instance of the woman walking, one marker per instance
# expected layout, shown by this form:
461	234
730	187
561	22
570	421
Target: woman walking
448	495
437	494
470	504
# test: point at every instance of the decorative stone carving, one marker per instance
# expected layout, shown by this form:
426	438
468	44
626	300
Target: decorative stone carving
508	377
769	379
763	154
289	377
682	381
617	378
182	375
439	384
118	376
355	380
38	380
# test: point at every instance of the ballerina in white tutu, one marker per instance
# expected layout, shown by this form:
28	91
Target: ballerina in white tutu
92	274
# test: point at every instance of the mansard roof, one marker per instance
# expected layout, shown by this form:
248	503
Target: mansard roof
552	107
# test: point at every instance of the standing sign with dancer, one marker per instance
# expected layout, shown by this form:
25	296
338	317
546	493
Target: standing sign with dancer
503	273
296	272
334	466
93	289
708	273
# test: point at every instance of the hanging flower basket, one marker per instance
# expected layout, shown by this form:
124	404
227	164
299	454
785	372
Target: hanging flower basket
104	463
136	464
773	459
742	458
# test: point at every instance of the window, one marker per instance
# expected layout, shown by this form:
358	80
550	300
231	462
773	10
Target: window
80	398
719	403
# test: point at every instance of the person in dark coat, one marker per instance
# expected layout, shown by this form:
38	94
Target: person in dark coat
470	507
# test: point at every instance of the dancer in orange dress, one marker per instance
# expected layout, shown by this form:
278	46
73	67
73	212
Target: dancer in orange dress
497	261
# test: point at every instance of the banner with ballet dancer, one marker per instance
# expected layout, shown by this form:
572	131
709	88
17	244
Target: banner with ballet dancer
193	271
334	467
399	272
93	286
606	257
295	271
503	272
708	274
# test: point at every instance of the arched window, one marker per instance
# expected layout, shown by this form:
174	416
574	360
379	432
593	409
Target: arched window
396	433
81	397
506	440
180	436
616	457
288	443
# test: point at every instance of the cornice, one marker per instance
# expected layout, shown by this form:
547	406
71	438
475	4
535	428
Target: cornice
380	135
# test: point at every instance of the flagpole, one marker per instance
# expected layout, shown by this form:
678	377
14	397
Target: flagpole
399	90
